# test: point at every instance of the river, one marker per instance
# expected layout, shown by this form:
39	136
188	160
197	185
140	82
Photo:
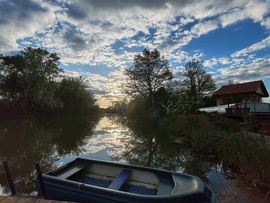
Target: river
56	141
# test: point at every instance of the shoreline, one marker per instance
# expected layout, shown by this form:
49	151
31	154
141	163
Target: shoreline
236	190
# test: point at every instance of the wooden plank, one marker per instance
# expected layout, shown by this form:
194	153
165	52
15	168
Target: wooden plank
27	199
120	180
1	198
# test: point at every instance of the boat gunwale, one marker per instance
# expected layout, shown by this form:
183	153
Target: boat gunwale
87	189
114	194
122	165
129	166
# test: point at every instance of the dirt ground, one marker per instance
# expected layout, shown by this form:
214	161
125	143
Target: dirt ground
236	190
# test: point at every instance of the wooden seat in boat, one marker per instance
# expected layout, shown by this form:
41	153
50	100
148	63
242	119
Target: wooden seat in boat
120	179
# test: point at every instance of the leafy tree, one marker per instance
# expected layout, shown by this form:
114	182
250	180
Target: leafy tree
10	85
149	73
196	85
73	93
167	101
136	109
209	101
28	79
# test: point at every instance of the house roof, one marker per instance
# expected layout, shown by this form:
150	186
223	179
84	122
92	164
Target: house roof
243	88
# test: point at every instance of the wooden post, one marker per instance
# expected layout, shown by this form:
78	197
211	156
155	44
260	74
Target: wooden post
41	182
10	181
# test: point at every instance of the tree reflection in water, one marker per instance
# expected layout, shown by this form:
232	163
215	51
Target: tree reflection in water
24	142
153	147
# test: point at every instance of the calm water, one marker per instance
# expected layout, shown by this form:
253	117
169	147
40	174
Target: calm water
53	142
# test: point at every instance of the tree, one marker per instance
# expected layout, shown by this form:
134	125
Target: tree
149	72
73	93
28	79
136	109
146	76
231	82
117	107
10	85
197	84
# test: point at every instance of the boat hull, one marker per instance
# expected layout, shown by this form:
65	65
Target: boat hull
160	185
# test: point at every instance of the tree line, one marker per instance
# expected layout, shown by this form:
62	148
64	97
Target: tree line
32	82
156	93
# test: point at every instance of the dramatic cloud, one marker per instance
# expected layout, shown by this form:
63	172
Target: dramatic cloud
253	48
98	39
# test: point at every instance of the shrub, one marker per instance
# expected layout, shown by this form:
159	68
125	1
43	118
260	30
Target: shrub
222	136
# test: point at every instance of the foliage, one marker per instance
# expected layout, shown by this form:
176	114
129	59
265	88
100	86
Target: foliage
28	80
136	109
29	83
216	134
231	82
198	128
196	85
149	72
251	123
149	82
166	101
75	97
118	107
249	154
209	101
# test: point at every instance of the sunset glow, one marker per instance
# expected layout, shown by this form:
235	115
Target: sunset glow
98	39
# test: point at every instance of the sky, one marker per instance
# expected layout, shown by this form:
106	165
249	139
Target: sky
98	39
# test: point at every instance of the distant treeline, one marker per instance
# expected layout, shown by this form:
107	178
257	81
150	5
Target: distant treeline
31	82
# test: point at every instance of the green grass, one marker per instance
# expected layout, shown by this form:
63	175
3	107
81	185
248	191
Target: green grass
223	137
250	155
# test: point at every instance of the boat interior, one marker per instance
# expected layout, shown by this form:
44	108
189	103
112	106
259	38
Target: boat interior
113	177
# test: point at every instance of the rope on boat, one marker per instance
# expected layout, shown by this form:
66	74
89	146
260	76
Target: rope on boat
77	187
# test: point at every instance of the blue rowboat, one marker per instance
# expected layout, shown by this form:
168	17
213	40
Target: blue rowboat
87	180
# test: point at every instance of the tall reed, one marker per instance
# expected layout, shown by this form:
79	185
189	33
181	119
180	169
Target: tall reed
224	138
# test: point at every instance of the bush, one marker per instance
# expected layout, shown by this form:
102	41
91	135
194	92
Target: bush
249	154
221	136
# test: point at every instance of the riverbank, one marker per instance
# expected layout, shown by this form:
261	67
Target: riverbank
235	190
246	155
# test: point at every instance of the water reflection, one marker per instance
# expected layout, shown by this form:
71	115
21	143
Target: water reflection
153	147
24	142
59	140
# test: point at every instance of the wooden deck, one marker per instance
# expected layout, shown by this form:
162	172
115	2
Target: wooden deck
27	199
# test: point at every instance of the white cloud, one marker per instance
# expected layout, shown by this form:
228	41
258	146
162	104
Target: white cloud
266	23
244	73
254	10
87	32
22	19
204	27
255	47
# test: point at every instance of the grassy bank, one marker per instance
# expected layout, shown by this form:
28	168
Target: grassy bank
215	134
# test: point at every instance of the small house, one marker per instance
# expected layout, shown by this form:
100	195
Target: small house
244	98
241	93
